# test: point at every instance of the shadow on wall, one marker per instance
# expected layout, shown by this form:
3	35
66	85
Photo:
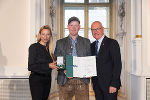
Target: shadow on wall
3	62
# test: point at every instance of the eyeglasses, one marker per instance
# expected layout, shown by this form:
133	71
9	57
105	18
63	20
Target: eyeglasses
96	29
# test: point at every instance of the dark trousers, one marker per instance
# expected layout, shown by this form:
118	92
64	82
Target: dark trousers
39	86
100	95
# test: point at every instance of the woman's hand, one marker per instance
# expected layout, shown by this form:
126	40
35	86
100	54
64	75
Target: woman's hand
53	65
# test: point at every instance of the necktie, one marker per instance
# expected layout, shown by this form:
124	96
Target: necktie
96	48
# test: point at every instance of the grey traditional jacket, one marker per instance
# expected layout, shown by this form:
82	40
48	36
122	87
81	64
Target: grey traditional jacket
64	47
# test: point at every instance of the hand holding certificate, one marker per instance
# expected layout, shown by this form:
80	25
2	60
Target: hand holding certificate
81	66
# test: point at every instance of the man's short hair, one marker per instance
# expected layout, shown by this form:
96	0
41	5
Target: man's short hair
73	19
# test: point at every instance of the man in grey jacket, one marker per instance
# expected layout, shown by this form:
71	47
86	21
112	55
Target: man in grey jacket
74	45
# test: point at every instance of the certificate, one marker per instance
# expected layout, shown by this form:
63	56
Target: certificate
81	66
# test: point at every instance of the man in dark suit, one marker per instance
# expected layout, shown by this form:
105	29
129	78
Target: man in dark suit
74	45
108	62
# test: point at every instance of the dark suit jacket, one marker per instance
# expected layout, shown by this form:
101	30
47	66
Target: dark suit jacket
108	65
64	47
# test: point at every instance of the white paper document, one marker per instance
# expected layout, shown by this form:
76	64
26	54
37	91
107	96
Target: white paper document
84	66
60	60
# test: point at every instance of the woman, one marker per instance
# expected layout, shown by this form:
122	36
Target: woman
41	63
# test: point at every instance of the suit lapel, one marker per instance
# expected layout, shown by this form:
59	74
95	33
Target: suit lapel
79	46
68	46
102	46
93	48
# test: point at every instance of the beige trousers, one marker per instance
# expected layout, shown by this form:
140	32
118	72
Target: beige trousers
74	87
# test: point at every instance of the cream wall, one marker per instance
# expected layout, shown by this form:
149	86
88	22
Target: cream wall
14	36
20	21
140	22
146	36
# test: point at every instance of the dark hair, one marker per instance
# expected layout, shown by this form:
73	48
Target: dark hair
73	19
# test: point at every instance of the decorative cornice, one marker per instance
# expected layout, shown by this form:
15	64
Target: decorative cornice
52	13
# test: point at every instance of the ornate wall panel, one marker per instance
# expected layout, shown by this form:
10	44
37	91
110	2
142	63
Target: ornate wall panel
121	37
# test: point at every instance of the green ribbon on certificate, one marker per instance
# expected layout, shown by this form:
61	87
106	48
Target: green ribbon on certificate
69	66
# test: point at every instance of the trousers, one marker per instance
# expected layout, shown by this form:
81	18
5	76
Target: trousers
39	86
74	87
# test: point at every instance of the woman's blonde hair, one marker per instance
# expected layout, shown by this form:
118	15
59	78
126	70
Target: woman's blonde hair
50	43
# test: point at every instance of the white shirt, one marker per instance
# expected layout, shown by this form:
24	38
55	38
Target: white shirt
99	43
